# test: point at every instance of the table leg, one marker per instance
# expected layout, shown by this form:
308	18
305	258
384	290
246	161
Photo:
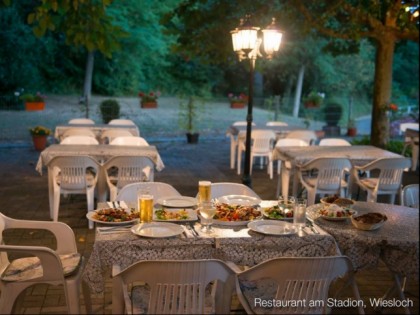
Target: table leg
51	191
102	185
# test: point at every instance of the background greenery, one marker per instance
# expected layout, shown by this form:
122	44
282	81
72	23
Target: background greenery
149	60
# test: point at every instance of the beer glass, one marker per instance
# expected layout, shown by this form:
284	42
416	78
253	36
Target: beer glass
204	191
145	205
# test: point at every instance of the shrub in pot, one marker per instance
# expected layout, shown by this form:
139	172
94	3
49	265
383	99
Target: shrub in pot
110	109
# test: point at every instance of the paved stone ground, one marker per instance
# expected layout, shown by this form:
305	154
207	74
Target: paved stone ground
24	195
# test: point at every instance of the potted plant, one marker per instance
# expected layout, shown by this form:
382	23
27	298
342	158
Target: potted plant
189	116
351	128
33	102
313	100
110	109
39	137
149	100
237	101
332	115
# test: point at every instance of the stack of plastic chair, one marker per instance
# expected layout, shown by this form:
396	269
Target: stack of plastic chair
302	279
328	177
62	266
135	141
123	170
73	175
157	189
81	121
388	181
173	287
85	140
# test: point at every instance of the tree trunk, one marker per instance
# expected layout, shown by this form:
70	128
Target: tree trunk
298	93
87	87
382	90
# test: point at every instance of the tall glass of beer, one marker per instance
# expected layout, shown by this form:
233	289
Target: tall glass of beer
145	203
204	191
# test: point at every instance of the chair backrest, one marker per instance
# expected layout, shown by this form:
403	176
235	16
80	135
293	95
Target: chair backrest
308	135
303	278
262	140
178	287
291	142
73	170
121	122
129	141
242	123
81	121
86	140
223	189
410	196
330	172
405	126
276	123
334	142
78	132
110	134
130	169
156	189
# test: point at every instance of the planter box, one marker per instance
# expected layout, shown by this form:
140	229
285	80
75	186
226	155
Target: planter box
237	105
34	106
148	104
40	142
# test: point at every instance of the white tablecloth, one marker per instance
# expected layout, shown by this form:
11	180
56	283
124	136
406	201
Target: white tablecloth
97	129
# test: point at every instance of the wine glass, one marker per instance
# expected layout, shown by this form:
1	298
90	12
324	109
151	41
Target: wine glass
207	212
286	204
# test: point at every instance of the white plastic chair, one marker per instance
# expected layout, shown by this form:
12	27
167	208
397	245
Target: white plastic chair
78	132
294	279
289	142
121	122
410	141
63	266
388	181
234	143
410	196
73	175
81	121
108	135
276	123
174	287
262	142
129	141
328	178
334	142
157	189
223	189
308	135
123	170
85	140
242	123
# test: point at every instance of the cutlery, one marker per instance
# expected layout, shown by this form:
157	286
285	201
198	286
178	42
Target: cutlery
311	226
190	226
112	228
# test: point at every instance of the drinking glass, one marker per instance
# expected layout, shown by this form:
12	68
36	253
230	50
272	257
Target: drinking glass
145	206
299	215
207	212
287	204
204	191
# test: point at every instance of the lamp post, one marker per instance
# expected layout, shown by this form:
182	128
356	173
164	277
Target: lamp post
246	43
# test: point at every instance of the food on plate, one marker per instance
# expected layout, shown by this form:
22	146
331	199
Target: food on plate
115	215
163	214
370	218
335	211
342	202
329	199
275	212
226	212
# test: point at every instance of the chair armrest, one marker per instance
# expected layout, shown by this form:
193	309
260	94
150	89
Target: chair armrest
66	242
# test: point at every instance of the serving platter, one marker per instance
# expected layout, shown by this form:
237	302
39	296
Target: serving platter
92	216
313	212
174	215
177	202
157	229
239	200
272	227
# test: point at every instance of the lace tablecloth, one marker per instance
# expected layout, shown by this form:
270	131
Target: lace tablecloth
396	242
244	247
97	129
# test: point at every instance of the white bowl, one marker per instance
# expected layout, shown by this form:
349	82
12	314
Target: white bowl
368	221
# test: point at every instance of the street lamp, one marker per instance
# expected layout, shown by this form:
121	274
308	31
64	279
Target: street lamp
246	43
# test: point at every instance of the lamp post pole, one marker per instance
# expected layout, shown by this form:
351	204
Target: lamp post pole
246	179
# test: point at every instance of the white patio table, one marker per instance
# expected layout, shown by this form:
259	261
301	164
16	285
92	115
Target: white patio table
97	129
101	153
357	154
396	243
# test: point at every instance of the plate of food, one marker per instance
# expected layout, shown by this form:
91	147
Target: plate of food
174	215
241	200
331	212
369	221
337	200
271	227
233	215
113	216
271	210
157	229
177	202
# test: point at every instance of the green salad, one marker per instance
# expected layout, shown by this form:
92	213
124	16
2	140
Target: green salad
275	212
163	214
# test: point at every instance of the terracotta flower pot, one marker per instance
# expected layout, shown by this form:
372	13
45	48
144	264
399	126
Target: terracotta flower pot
192	137
352	131
237	105
34	106
40	142
148	104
